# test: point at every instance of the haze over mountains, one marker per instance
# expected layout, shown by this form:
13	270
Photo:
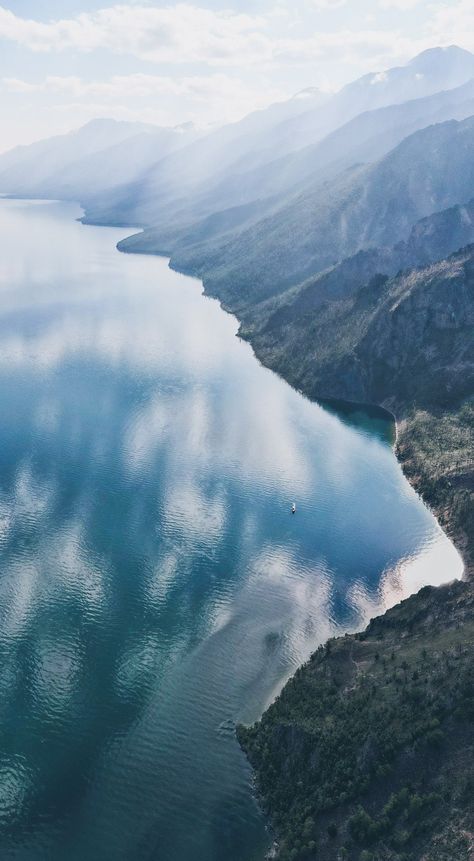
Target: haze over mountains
240	163
260	206
168	177
307	186
312	196
94	158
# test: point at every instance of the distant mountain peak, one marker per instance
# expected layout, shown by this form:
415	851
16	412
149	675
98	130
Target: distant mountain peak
438	51
308	93
188	126
105	123
450	59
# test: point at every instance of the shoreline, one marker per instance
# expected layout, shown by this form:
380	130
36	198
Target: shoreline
456	535
458	538
443	518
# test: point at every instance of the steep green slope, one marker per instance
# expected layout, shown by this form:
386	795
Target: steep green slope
368	752
436	448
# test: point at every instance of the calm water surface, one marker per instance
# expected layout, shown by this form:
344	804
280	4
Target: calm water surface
154	587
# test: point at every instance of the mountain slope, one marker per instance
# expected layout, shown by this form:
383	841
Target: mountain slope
406	343
367	137
431	239
175	177
367	206
128	174
396	341
430	72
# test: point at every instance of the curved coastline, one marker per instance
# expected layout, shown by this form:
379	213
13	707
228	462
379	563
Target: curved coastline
387	407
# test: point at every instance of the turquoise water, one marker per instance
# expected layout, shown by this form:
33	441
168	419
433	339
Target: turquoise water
154	587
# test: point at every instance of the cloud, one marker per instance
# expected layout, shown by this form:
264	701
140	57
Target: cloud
147	97
176	34
124	86
185	34
453	23
327	4
402	5
214	66
351	45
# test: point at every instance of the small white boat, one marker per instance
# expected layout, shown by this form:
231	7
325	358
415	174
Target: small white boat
293	509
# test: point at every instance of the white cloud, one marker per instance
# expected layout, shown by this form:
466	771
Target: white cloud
453	23
189	34
402	5
146	97
216	66
327	4
123	86
177	34
351	45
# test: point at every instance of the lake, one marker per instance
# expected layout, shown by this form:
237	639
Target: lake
154	586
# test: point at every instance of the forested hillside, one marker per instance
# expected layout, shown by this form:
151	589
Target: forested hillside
367	754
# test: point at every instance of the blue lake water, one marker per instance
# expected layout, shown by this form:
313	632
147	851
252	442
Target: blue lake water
154	586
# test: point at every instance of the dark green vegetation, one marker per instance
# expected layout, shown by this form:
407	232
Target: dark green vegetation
368	751
436	449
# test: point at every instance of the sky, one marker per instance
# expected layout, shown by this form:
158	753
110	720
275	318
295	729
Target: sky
64	62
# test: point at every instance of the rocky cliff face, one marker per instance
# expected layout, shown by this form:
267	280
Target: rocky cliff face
399	340
419	346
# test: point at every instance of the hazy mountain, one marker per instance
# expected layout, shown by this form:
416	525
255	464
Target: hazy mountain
106	154
180	178
99	155
365	138
374	205
235	199
129	174
266	155
430	72
426	74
